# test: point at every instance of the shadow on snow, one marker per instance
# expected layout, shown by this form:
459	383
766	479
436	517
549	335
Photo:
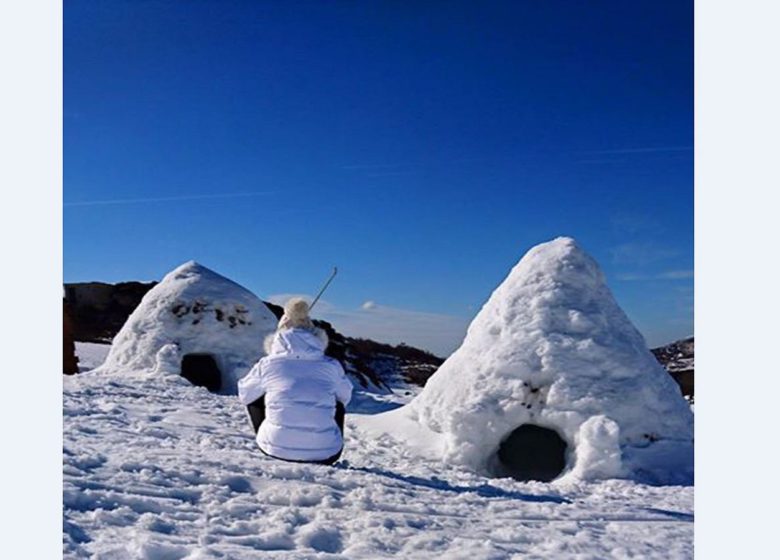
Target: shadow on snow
484	490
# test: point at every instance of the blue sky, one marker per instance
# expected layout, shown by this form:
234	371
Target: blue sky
422	148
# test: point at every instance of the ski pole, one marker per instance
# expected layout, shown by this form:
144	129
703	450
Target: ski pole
332	276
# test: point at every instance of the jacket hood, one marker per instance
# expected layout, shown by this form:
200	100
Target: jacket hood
297	343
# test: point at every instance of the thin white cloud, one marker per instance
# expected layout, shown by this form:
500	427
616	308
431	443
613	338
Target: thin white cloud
636	253
392	174
377	166
598	161
666	275
166	198
629	277
633	223
675	275
642	150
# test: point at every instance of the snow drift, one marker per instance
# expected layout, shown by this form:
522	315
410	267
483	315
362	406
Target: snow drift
552	349
192	316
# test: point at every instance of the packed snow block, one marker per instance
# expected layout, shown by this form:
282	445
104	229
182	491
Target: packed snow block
552	376
195	324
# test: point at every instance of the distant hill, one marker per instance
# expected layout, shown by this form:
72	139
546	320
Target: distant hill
98	310
677	358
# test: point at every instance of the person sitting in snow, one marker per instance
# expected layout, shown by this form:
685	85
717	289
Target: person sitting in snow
296	395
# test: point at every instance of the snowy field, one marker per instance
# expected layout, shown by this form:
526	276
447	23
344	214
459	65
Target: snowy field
156	468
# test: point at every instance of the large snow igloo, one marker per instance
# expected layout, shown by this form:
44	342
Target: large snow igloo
552	380
197	324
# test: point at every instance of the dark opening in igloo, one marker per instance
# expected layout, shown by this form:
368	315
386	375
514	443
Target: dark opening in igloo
532	453
201	370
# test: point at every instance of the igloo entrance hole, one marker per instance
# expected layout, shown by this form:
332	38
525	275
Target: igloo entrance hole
202	370
532	453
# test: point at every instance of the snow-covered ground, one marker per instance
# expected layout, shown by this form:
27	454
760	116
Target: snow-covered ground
156	468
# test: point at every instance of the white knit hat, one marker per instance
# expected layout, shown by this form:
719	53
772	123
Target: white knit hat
296	315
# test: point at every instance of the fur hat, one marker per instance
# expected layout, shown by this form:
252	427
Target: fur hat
296	315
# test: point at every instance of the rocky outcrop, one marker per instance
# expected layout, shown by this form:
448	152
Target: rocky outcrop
677	358
99	310
70	363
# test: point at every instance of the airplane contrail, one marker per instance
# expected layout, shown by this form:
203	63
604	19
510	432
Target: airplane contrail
642	150
166	198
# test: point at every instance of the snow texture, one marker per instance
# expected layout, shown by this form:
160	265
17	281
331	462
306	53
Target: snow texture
551	347
155	469
193	310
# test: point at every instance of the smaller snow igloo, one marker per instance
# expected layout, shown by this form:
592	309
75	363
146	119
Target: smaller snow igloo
196	324
552	380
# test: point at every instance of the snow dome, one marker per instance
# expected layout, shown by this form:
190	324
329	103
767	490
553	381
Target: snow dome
552	380
197	324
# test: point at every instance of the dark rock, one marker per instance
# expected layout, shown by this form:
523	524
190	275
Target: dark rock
99	310
70	363
677	358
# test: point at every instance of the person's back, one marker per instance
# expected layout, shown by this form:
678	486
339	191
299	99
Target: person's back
295	391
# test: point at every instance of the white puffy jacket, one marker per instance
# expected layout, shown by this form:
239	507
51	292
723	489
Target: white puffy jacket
301	386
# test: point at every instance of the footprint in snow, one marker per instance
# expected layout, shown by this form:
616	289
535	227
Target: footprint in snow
322	539
237	484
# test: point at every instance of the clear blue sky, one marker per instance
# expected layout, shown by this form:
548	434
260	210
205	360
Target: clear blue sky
422	148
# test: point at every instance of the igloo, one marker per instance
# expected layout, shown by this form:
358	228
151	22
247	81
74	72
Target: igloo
553	381
197	324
